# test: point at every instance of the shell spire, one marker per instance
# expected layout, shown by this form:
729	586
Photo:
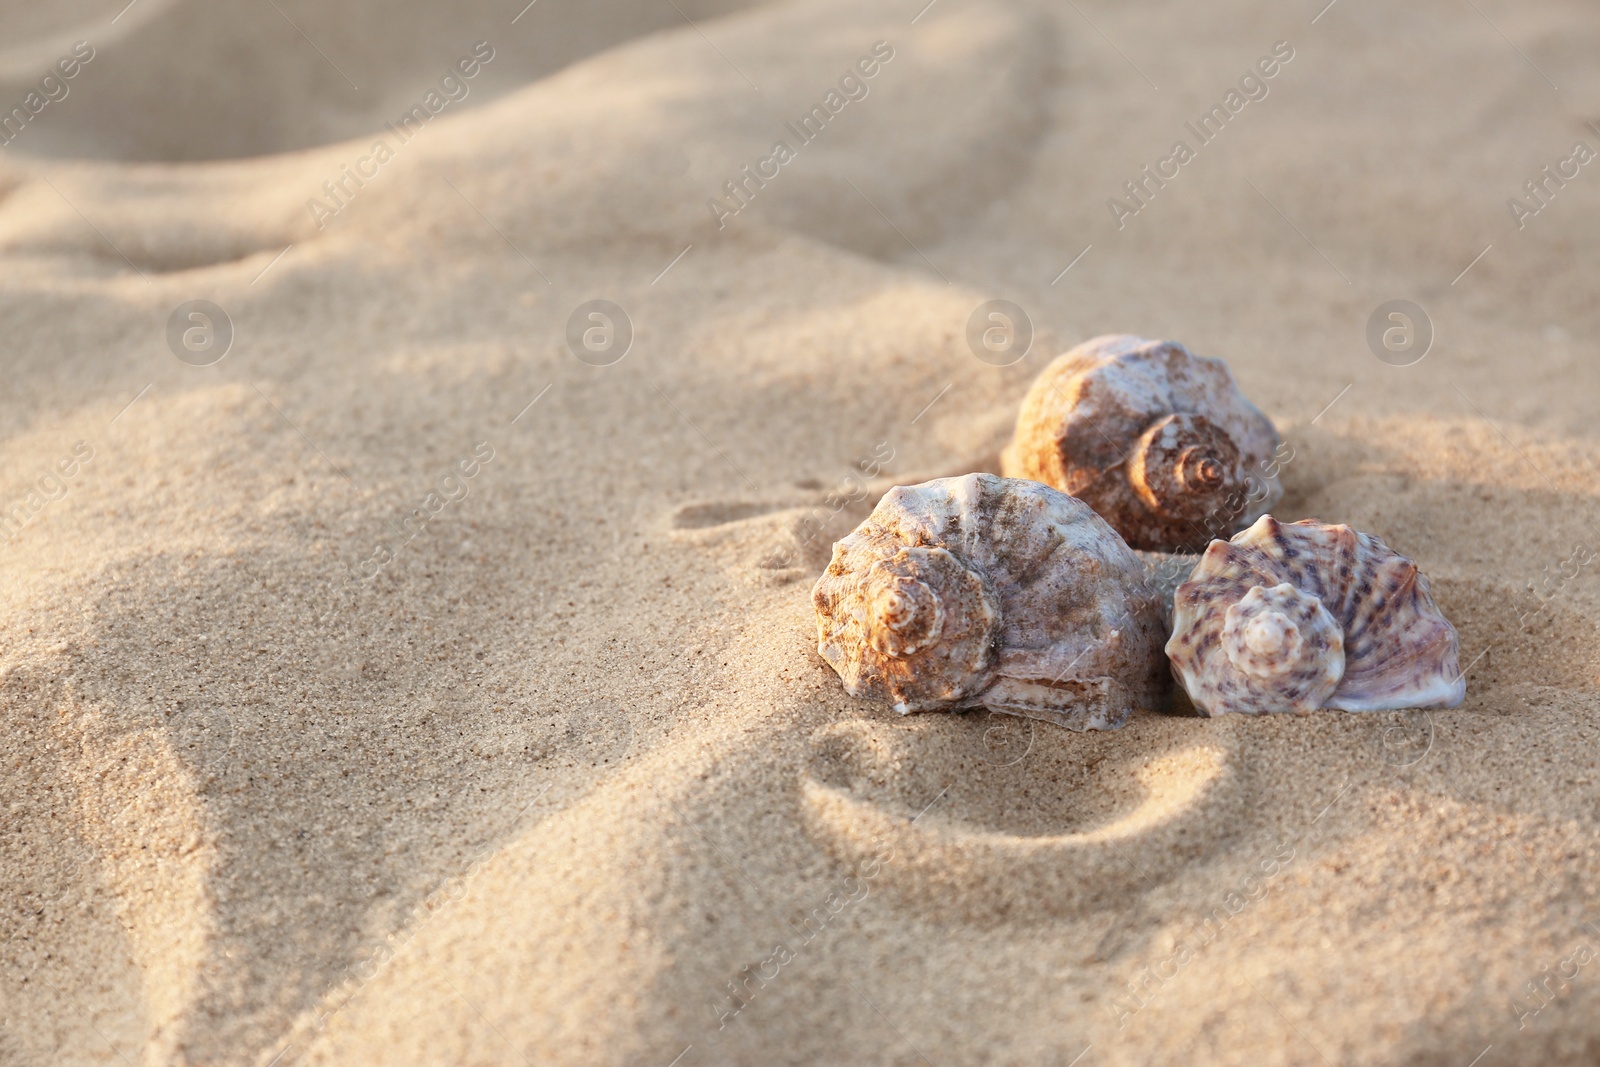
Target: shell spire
1310	615
1159	441
991	592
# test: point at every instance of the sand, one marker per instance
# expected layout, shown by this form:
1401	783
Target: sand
319	750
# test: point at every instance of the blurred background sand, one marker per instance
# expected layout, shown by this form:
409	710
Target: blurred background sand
556	776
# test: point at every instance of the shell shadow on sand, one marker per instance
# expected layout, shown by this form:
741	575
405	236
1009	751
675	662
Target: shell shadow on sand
1039	824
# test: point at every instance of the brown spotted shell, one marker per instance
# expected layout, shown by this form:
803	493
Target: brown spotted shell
1309	615
1159	441
991	592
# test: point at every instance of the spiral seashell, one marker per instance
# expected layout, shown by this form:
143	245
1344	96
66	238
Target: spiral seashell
1158	440
1309	615
991	592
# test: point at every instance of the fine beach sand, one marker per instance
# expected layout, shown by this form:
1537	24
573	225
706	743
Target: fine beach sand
568	765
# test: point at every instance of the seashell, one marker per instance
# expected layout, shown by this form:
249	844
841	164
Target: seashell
1158	440
1311	615
991	592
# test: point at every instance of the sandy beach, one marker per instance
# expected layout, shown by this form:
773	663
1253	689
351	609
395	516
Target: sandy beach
394	671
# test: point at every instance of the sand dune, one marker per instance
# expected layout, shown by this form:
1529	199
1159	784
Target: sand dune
321	750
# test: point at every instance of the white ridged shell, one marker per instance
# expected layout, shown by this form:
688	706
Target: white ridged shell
1309	615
